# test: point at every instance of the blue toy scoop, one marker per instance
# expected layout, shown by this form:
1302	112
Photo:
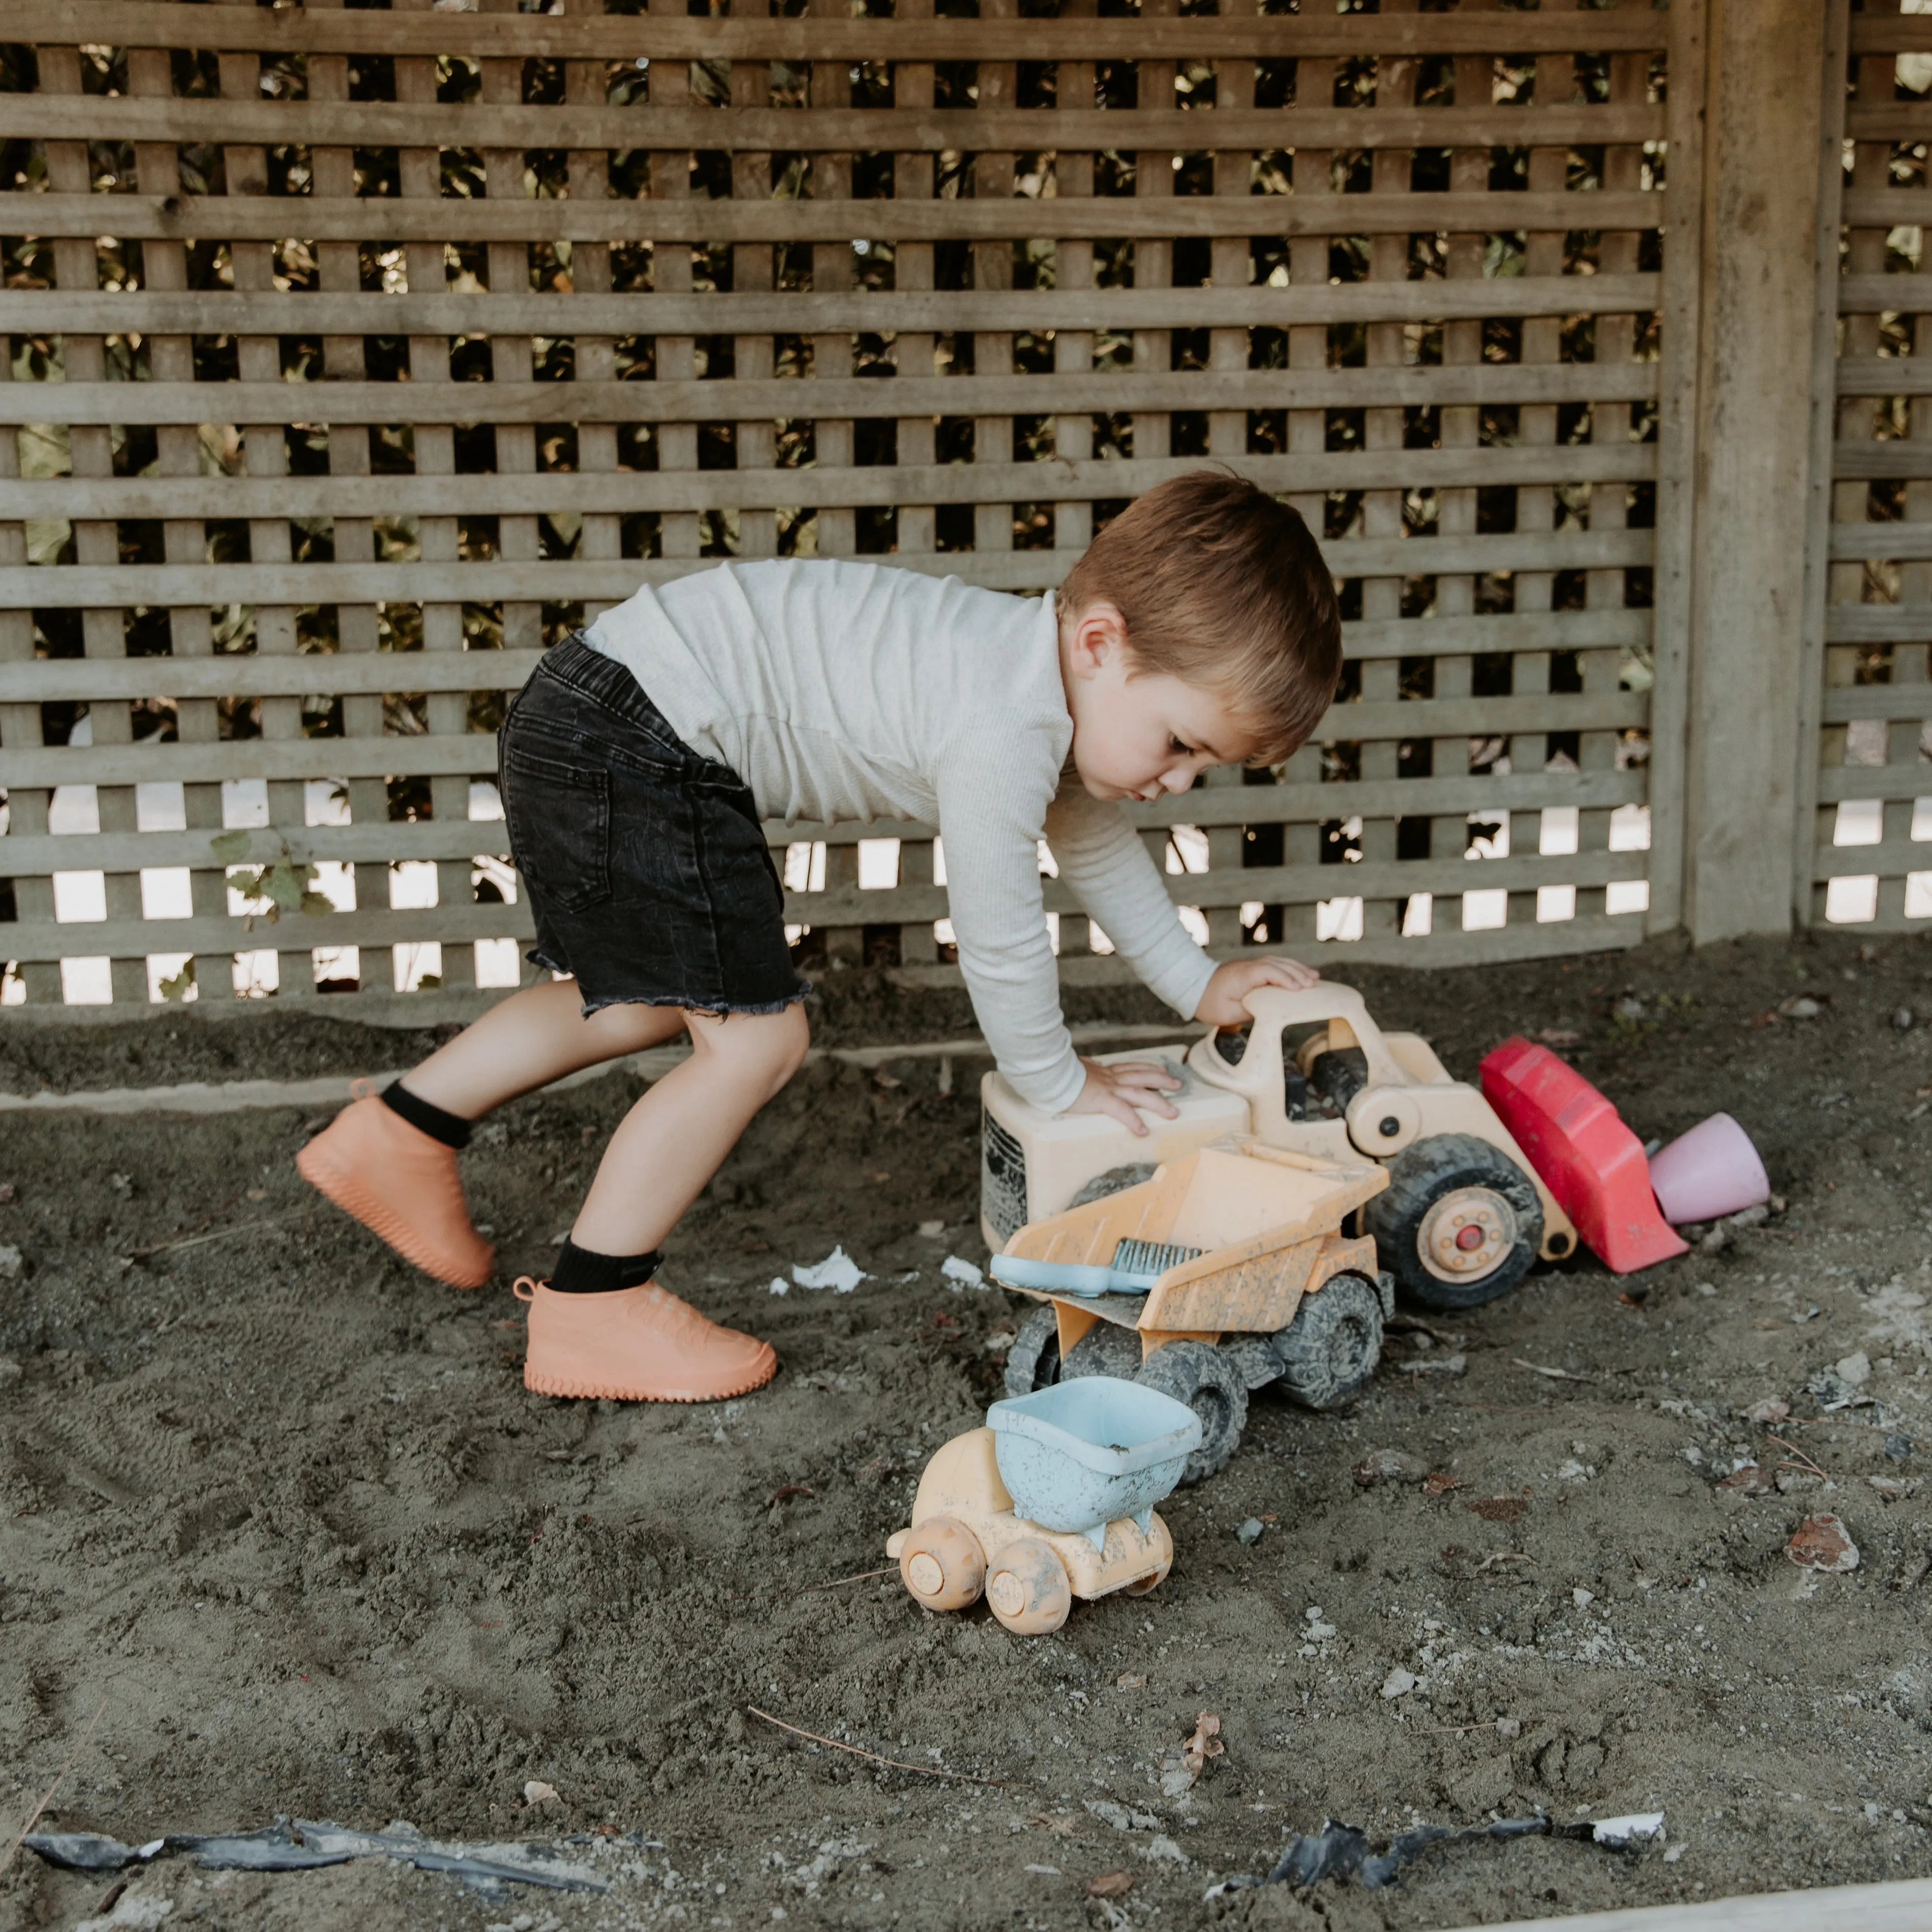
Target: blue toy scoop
1135	1267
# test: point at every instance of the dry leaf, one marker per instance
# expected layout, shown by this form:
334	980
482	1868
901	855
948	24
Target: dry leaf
1131	1680
1204	1743
1498	1509
1440	1484
1109	1885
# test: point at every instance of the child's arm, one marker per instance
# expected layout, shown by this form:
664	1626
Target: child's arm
1101	857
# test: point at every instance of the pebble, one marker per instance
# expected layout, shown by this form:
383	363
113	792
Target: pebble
1398	1683
1768	1412
1822	1543
1250	1531
1436	1365
1388	1465
1904	1019
11	1262
1855	1370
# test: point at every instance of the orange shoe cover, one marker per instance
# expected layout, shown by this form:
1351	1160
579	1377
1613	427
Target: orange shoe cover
401	1183
636	1345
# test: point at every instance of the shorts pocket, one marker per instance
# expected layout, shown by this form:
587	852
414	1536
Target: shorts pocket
559	823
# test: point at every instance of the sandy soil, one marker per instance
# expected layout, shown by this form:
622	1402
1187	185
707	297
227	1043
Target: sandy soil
284	1508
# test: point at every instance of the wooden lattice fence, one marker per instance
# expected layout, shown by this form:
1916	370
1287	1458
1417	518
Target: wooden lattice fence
358	354
1865	858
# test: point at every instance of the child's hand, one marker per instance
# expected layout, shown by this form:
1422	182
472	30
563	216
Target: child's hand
1122	1088
1221	1004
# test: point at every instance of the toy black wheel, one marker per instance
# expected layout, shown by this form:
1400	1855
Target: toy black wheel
1200	1374
1329	1351
1115	1180
1105	1349
1459	1223
1034	1360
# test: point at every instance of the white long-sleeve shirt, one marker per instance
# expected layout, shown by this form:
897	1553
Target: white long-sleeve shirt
839	690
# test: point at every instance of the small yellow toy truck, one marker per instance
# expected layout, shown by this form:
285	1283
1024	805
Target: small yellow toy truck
1462	1218
1237	1273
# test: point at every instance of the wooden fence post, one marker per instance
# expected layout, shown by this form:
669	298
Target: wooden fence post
1755	347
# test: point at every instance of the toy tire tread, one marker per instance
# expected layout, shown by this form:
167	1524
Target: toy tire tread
1329	1351
1202	1376
1033	1362
1419	1176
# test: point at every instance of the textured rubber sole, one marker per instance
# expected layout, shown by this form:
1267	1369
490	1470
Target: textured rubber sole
380	1220
609	1391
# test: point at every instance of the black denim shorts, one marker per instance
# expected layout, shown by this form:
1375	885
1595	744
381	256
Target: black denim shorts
648	877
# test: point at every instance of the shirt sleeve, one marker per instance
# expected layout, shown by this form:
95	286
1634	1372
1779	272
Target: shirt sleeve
1102	859
993	794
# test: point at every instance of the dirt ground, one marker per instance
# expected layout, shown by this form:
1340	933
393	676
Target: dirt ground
284	1508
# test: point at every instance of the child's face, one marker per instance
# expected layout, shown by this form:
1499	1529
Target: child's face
1138	734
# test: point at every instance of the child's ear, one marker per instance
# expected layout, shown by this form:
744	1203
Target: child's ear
1099	635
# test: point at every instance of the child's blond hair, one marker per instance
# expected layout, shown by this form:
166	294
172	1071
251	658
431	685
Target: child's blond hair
1222	587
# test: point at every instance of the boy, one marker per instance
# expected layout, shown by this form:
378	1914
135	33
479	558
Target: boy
637	764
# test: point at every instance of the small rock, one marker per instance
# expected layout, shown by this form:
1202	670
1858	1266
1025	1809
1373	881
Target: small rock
1904	1019
1509	1727
1250	1531
1800	1006
1631	1009
1317	1628
1437	1365
1855	1370
1753	1480
1789	1481
1894	1489
537	1792
963	1272
11	1263
1398	1683
9	1371
1161	1849
1822	1543
1582	1598
931	1230
1109	1885
1897	1448
1768	1412
7	1193
1388	1465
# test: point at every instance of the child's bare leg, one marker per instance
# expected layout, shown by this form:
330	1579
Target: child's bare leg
602	1327
530	1040
677	1136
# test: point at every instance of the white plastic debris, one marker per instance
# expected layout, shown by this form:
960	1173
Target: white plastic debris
838	1272
1639	1826
963	1272
780	1285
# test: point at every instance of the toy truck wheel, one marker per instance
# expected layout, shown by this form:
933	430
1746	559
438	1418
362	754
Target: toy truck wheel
1033	1362
1201	1375
1460	1223
1105	1349
1115	1180
1329	1351
942	1565
1027	1588
1142	1586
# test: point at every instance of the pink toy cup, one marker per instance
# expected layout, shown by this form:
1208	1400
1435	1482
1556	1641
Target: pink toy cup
1712	1171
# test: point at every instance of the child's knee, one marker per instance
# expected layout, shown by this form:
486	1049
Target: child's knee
768	1046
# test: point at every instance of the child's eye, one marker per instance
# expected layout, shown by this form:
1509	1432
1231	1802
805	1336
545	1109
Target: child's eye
1179	750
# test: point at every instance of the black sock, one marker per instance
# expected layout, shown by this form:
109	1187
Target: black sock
450	1129
578	1271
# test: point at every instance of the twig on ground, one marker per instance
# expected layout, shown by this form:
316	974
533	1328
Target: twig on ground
60	1778
890	1569
219	1234
892	1763
1803	1462
1555	1374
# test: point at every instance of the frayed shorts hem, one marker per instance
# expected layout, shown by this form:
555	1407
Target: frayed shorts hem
723	1008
